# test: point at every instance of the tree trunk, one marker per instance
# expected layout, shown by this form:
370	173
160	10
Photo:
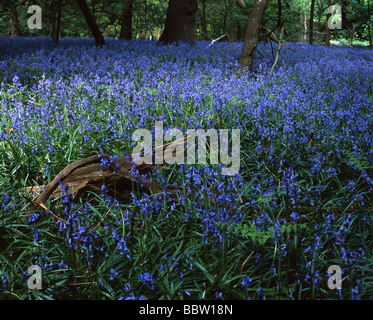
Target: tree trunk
55	19
239	31
305	23
279	21
345	6
180	21
203	20
231	32
225	15
13	21
312	12
327	29
126	27
92	24
58	24
327	37
52	20
252	33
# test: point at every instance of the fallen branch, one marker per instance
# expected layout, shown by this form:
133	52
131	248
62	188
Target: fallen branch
45	208
277	53
273	38
89	175
211	39
345	43
217	39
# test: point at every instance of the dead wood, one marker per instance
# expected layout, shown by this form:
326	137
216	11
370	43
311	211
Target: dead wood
273	38
89	175
277	53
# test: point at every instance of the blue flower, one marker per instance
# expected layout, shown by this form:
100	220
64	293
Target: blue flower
113	274
245	282
147	280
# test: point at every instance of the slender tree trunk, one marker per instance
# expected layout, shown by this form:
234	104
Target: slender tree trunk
230	26
55	19
344	6
180	21
312	12
225	17
352	35
92	24
327	29
126	27
279	22
327	37
52	20
252	34
305	23
58	24
239	31
319	26
231	32
13	21
146	21
203	20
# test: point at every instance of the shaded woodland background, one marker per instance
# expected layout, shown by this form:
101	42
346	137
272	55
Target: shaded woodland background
303	21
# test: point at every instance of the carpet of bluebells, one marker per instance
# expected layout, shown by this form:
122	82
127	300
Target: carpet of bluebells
301	202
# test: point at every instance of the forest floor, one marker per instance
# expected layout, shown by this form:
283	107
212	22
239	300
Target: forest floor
298	209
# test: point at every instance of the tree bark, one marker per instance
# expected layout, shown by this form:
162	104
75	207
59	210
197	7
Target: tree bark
203	20
92	24
344	6
312	13
252	33
89	175
126	27
231	32
15	31
305	23
239	31
58	23
227	12
327	29
180	21
55	19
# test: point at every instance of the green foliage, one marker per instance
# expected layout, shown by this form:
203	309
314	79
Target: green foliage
259	236
220	17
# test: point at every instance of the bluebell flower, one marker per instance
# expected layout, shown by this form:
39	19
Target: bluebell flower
147	280
245	282
33	217
113	274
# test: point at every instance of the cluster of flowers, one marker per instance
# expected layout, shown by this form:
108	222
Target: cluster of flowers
306	133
